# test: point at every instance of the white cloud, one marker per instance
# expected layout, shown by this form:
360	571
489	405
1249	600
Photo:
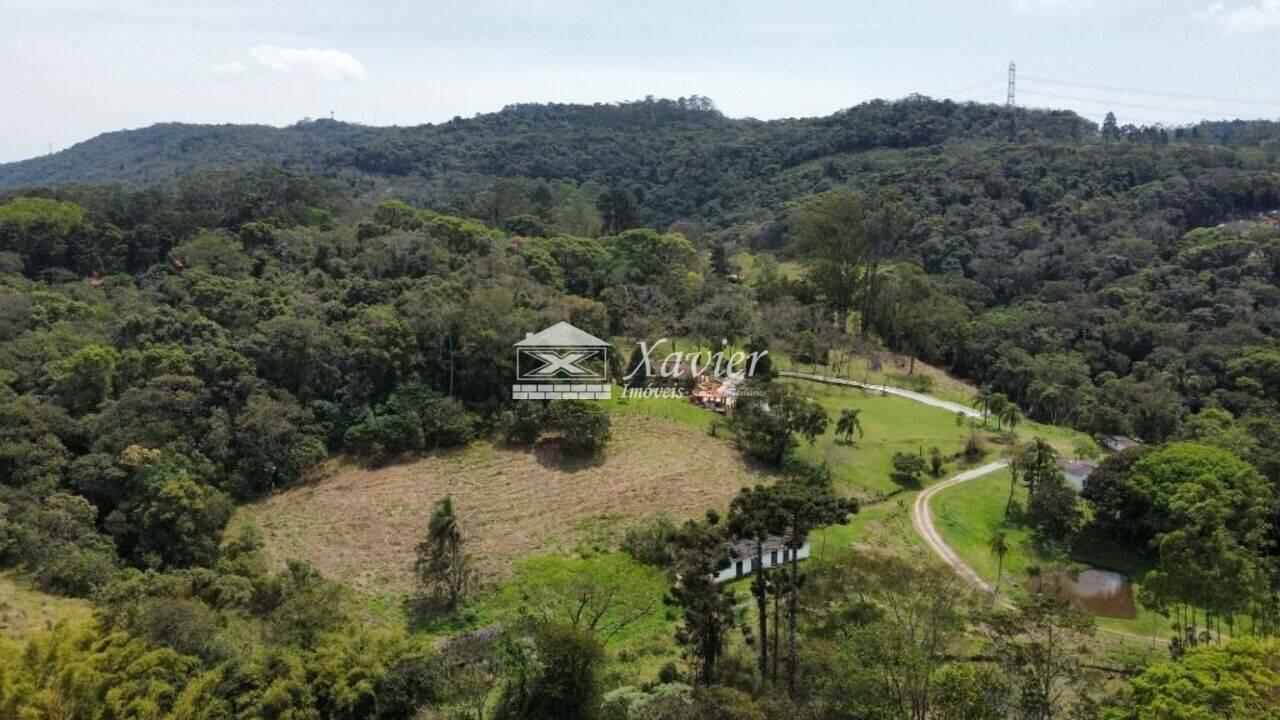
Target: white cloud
1247	18
326	64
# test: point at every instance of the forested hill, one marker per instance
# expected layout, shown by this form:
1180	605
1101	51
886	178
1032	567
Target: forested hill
683	149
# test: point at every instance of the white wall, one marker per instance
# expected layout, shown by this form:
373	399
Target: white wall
730	572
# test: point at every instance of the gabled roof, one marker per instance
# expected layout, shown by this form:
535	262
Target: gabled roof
560	335
1072	466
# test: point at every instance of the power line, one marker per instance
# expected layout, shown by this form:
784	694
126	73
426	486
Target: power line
1155	93
1119	103
967	86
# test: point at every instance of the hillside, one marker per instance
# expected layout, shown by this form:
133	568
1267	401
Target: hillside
677	155
361	525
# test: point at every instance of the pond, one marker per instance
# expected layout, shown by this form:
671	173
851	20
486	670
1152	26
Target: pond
1098	592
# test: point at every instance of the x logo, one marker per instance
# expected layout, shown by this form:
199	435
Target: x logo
566	362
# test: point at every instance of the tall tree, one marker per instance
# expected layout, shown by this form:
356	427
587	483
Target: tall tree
843	237
998	544
805	505
444	569
1038	646
706	609
756	515
618	210
767	427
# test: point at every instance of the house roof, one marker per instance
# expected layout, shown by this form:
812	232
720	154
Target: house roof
747	548
561	334
1079	468
1119	442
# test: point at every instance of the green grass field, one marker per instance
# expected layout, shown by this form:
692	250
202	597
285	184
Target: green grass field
967	514
891	424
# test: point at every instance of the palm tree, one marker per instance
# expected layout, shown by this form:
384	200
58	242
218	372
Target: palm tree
849	423
982	401
997	406
1011	416
998	543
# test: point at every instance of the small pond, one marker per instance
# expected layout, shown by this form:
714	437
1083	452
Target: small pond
1098	592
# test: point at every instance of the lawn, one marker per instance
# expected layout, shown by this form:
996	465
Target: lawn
24	610
890	424
967	514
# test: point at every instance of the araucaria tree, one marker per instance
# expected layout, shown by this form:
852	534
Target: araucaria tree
756	515
443	568
843	236
706	609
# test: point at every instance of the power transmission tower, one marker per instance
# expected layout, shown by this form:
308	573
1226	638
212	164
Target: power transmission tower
1009	103
1013	74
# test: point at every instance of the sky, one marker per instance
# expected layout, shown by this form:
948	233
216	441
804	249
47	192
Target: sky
70	70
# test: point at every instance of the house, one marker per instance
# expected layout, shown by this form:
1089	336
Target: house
1116	443
1076	471
715	394
742	557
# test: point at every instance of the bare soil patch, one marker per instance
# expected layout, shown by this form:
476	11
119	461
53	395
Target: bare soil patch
360	525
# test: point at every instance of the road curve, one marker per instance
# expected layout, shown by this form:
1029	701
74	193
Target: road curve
922	519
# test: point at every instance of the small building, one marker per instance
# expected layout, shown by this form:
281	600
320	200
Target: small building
1075	471
742	557
1116	443
715	394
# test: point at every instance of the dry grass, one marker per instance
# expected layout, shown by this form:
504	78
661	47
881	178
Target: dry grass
360	525
24	610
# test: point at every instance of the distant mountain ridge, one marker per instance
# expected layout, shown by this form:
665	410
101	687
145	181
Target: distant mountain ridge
681	157
161	153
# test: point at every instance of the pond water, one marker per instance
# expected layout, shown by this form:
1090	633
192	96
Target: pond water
1098	592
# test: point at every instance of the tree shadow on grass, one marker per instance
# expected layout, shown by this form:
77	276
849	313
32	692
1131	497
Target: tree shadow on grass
906	481
433	617
553	455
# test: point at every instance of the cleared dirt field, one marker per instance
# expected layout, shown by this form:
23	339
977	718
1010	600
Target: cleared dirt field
361	525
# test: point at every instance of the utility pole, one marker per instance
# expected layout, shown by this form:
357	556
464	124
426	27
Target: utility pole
1011	104
1013	74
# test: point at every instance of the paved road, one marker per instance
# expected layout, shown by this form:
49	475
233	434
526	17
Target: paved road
889	389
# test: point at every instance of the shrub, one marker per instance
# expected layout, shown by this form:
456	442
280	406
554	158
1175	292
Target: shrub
523	423
652	542
974	448
583	426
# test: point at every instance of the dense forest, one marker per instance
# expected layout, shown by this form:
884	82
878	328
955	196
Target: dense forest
195	317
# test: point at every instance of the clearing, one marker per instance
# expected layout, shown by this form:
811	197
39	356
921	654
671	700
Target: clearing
360	525
25	610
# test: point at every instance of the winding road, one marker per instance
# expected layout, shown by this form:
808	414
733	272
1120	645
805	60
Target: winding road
922	519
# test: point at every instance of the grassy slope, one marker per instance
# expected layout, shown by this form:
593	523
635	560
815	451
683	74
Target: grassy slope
966	515
360	525
24	610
